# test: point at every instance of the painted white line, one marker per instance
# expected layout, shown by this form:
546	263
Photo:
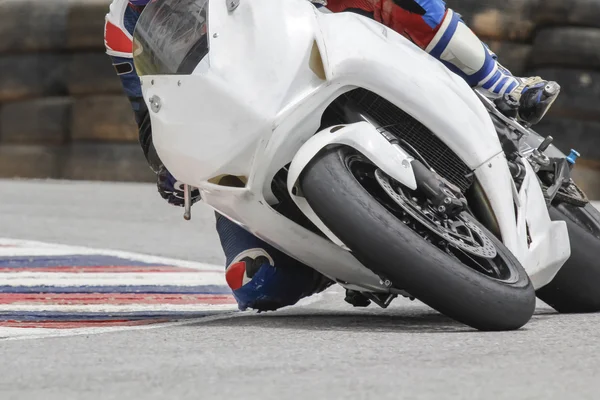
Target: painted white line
33	252
60	279
116	308
77	250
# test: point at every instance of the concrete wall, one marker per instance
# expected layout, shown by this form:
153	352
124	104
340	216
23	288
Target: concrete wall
63	114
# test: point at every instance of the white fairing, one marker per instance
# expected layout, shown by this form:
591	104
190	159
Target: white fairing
365	138
541	245
253	104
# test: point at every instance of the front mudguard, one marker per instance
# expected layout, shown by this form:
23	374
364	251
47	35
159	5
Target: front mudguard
368	141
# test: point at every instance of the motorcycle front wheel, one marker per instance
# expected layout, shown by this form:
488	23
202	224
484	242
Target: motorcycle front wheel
457	267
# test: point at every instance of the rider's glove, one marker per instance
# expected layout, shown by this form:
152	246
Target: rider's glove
172	190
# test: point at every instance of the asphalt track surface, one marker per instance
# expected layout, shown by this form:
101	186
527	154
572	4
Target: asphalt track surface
322	350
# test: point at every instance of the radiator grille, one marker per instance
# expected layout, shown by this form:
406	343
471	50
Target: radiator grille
397	122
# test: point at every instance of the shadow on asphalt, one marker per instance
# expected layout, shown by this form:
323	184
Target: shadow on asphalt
397	320
345	321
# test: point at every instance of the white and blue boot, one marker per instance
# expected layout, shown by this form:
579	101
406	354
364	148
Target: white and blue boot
462	52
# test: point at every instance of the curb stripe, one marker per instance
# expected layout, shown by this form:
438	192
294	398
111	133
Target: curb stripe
48	290
32	248
114	309
128	316
111	279
78	324
113	299
209	289
87	260
113	269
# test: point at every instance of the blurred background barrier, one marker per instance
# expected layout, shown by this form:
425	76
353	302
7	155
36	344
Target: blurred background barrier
62	110
63	114
558	40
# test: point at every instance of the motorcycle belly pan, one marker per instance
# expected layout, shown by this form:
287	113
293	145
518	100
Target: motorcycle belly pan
251	211
549	246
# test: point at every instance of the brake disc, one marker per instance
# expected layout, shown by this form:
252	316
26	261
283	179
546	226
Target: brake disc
484	248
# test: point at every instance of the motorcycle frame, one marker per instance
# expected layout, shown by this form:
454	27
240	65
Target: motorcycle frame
254	103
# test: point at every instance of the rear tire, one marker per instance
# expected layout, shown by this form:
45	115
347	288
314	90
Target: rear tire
576	287
394	251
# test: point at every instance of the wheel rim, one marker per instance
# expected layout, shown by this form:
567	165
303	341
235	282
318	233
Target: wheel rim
476	250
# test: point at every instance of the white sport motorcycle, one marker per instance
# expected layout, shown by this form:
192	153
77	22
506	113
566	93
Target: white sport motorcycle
344	145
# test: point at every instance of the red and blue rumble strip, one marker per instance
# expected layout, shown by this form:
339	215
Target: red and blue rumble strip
61	287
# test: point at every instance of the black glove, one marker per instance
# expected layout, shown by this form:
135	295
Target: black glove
172	190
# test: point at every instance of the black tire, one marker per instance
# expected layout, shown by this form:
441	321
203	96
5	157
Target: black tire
572	12
576	287
42	25
513	56
105	118
570	134
36	122
391	249
26	76
566	47
510	20
579	93
31	75
587	175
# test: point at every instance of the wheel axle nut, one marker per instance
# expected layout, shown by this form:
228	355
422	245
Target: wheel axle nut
387	283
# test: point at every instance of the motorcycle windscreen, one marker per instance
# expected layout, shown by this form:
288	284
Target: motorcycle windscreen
171	37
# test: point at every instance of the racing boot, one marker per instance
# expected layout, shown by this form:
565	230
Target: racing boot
455	45
260	276
535	96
